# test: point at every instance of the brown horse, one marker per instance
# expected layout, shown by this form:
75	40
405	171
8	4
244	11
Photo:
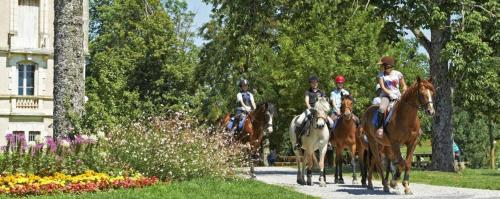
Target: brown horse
344	136
403	128
256	124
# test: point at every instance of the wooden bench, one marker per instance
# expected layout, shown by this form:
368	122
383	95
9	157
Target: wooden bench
421	160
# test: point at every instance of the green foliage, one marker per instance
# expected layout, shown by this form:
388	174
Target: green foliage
278	45
138	64
471	135
175	149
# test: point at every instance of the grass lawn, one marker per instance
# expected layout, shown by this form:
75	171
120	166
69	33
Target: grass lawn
469	178
202	188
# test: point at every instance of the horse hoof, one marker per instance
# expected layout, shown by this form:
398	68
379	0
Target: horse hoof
408	192
322	184
370	187
336	181
301	182
364	185
394	183
354	182
386	189
341	181
253	176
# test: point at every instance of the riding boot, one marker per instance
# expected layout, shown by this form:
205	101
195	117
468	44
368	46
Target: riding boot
380	125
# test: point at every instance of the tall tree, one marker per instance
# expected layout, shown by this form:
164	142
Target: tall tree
441	18
277	45
69	84
138	65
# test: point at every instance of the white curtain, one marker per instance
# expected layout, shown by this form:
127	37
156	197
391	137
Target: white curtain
27	19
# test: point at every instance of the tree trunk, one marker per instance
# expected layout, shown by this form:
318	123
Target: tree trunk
492	145
442	126
69	83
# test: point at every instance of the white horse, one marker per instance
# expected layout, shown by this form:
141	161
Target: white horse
317	139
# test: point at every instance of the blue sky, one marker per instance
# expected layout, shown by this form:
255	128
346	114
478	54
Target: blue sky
202	16
203	11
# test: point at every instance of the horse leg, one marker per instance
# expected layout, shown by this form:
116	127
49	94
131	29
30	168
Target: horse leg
409	156
399	161
378	163
309	168
338	163
353	164
370	166
252	169
322	180
362	166
300	167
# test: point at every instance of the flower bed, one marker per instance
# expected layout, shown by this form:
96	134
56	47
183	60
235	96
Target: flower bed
90	181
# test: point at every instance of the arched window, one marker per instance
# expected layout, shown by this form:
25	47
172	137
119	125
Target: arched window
26	78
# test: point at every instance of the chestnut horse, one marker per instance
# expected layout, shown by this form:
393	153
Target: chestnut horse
402	128
258	123
344	136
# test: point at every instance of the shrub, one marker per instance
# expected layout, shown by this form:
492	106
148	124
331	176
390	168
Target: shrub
175	148
46	156
471	135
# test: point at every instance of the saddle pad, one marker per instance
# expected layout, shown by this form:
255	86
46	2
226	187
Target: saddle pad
387	118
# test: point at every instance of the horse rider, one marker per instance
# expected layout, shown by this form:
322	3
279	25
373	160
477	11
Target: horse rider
312	95
389	81
336	99
245	103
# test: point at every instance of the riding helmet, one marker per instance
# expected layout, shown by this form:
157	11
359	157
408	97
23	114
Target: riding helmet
243	82
313	78
340	79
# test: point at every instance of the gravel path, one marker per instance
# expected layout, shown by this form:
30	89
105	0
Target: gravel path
285	176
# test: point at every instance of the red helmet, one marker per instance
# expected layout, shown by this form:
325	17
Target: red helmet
340	79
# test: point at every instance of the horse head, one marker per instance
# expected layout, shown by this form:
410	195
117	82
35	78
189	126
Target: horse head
268	110
320	113
425	91
346	105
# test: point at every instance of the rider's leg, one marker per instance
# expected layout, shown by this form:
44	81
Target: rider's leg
384	103
302	119
243	116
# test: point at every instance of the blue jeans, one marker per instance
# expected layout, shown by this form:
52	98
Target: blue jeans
242	115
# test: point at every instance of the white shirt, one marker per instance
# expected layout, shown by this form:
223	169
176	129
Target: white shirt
336	97
391	81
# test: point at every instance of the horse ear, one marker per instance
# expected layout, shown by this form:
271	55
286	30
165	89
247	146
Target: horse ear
419	79
430	80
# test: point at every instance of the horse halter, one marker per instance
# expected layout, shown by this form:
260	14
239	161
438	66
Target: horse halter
419	97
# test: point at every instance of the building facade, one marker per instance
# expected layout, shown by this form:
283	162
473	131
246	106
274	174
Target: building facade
27	66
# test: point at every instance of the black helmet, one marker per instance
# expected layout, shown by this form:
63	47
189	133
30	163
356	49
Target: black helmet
243	82
313	78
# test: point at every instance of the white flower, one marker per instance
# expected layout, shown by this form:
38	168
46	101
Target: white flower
31	143
103	154
64	143
101	135
39	139
92	138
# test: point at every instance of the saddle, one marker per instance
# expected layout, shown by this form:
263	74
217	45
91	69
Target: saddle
387	114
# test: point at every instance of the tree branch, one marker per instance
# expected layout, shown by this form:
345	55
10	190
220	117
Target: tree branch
421	38
486	10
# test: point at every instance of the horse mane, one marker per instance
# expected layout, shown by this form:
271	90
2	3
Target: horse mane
413	89
322	105
269	106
